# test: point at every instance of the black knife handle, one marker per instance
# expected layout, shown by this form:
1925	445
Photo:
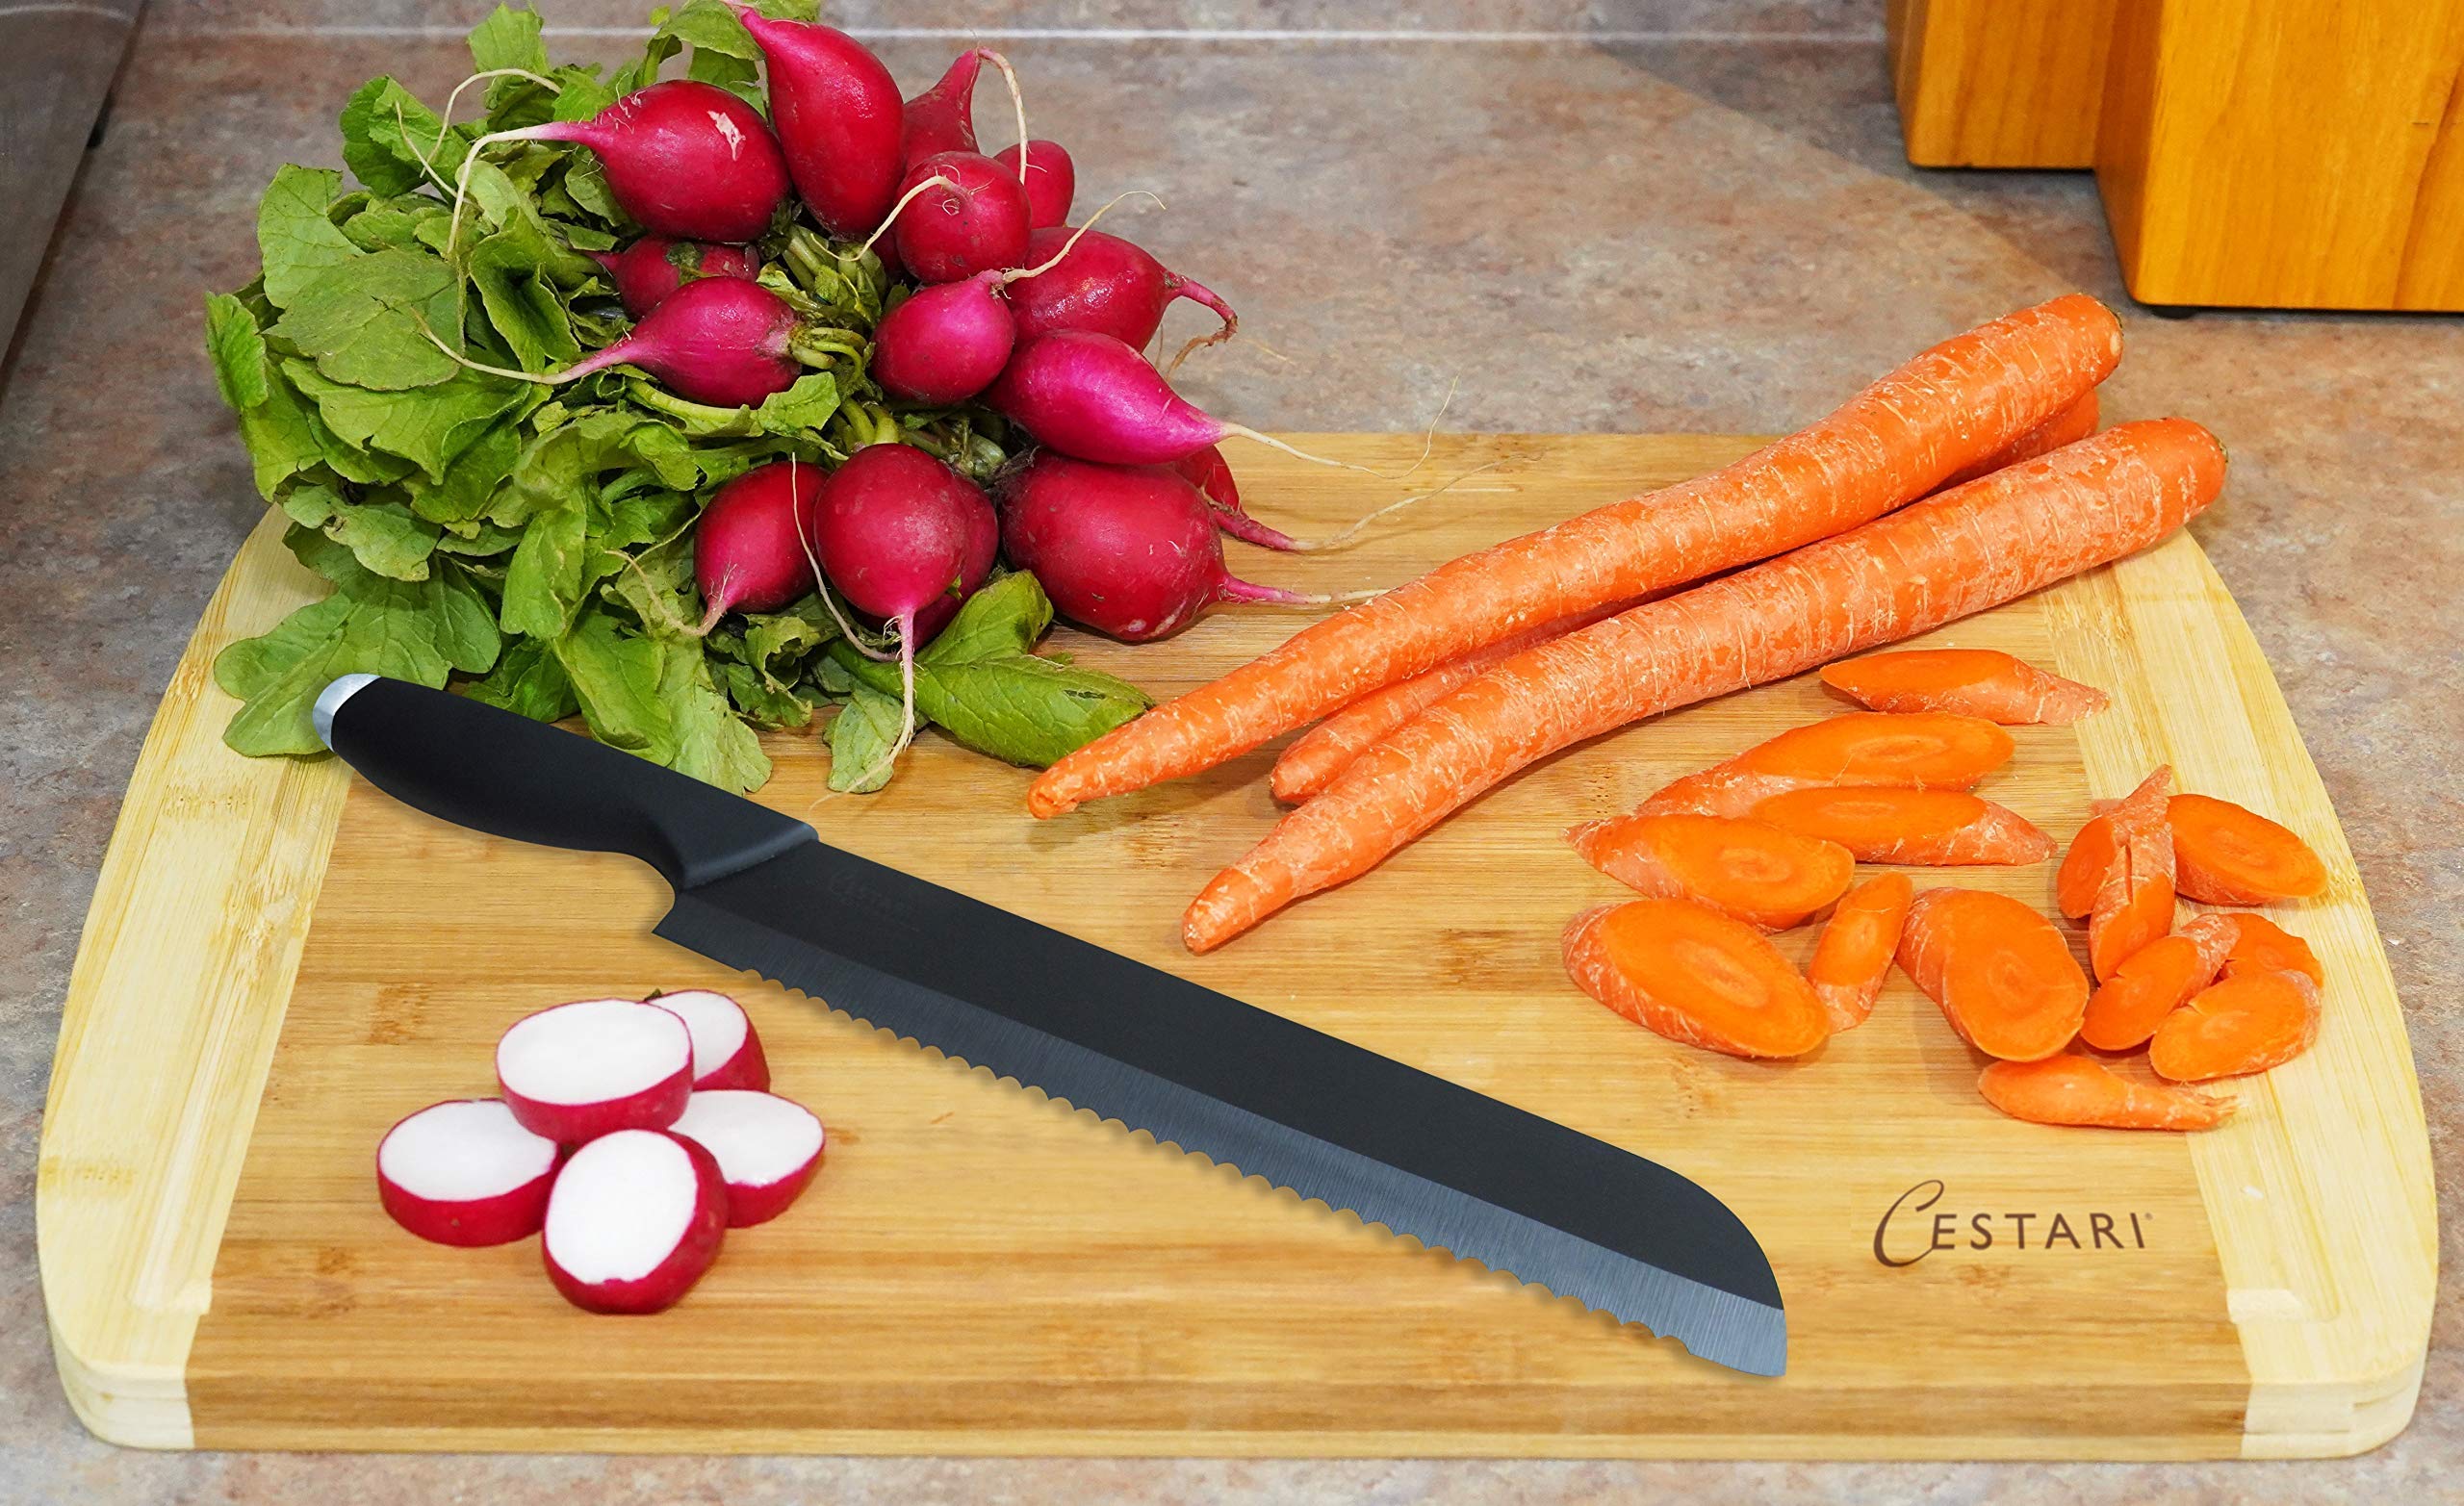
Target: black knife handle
493	771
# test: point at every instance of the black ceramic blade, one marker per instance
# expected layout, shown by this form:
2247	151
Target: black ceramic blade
1204	1071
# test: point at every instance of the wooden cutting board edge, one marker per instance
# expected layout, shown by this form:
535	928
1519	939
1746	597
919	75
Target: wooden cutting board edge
138	1185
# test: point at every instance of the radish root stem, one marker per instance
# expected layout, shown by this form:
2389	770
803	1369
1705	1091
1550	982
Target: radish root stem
1017	102
1021	274
891	218
1351	530
821	582
552	131
907	728
445	119
597	361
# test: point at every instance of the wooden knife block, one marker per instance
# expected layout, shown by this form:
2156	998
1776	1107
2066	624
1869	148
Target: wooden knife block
2250	153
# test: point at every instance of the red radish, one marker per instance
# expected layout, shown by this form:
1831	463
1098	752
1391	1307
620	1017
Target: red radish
766	1147
1211	475
654	267
1091	396
974	220
578	1071
1127	550
683	159
905	539
946	343
1107	286
465	1173
839	119
725	1052
717	340
1051	181
635	1218
748	546
898	531
942	119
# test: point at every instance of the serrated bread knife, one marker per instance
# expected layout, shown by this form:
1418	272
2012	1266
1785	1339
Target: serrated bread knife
759	891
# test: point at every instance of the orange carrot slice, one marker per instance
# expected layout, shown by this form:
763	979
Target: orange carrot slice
2259	944
2092	852
1926	751
2227	855
2151	984
1983	682
2003	974
1695	976
1757	873
1942	827
2213	931
2135	901
2068	1089
1854	954
2248	1023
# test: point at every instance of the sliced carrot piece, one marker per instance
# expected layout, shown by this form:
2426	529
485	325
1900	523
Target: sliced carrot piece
2215	931
1925	750
1984	683
1758	873
2069	1090
2151	984
1926	826
2259	944
2135	902
1854	954
2093	852
2003	974
1695	976
2225	854
2248	1023
1720	790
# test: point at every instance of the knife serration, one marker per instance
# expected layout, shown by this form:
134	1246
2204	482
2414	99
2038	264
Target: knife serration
1247	1088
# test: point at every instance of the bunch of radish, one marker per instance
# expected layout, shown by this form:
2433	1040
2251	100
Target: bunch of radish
631	1135
997	306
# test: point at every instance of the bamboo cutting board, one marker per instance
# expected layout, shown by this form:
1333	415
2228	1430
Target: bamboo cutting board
280	962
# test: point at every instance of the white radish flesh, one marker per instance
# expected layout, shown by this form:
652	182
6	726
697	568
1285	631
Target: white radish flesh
578	1071
635	1218
727	1054
767	1149
465	1173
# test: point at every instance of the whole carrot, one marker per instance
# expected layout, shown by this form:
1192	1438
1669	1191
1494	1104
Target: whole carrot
1950	408
2068	427
1315	757
1971	548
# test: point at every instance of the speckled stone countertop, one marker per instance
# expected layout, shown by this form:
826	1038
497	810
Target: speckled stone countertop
1637	216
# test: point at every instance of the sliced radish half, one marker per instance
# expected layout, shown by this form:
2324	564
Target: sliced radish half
466	1173
768	1148
582	1071
726	1050
635	1218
